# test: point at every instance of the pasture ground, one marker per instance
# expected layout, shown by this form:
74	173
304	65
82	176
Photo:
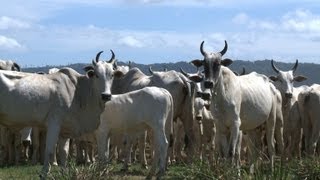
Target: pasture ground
307	168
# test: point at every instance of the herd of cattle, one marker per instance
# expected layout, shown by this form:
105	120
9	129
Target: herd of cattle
114	110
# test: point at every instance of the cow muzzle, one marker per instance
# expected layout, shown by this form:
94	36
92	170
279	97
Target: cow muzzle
288	95
198	118
208	84
206	96
106	97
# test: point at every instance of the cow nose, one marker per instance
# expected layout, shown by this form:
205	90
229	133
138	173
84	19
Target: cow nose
198	118
208	84
106	97
207	106
288	95
206	96
199	94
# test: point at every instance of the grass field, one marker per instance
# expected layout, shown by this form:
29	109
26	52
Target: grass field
295	169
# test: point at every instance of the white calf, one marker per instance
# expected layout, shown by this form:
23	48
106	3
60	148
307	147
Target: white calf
133	112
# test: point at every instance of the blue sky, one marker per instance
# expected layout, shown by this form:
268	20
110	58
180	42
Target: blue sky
60	32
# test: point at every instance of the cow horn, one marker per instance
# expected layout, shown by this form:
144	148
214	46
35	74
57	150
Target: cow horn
16	66
224	50
243	71
112	57
184	73
295	66
150	70
274	67
203	52
98	56
130	64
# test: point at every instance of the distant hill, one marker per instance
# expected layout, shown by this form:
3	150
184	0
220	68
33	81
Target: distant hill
310	70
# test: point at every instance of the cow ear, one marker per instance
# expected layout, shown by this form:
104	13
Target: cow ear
226	62
115	65
273	78
299	78
196	78
91	73
118	74
197	62
88	68
207	105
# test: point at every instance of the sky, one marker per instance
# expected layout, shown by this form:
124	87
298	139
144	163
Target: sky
61	32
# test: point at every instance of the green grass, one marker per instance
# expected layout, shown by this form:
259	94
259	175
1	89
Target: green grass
296	169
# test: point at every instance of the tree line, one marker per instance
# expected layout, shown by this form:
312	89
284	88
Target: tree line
310	70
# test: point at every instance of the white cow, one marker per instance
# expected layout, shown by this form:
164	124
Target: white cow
291	114
65	102
175	83
309	105
207	129
203	119
238	103
135	111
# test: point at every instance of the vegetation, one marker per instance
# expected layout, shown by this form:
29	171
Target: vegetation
307	168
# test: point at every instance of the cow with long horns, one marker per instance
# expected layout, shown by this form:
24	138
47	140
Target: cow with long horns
239	103
291	115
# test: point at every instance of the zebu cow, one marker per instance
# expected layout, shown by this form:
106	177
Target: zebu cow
125	113
309	105
65	103
238	103
206	129
12	140
291	114
175	83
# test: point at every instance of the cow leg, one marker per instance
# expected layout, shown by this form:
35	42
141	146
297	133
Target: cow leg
53	159
296	139
103	146
222	143
234	136
63	144
162	154
17	147
279	135
51	140
79	151
35	145
86	152
254	144
314	137
142	150
270	137
127	152
90	152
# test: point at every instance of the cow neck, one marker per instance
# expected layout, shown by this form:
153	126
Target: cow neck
218	88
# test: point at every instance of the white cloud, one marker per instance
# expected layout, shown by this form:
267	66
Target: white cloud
241	18
131	42
301	21
10	23
8	43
